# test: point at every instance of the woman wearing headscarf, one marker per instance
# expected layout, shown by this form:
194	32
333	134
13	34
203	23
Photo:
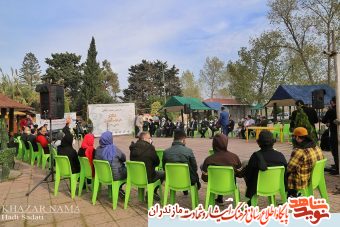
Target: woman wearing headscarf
108	151
221	157
66	149
87	149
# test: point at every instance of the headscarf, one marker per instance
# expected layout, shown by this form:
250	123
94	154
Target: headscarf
220	143
88	143
67	140
106	142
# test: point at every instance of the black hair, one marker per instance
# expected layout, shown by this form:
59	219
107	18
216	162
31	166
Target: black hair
334	99
179	134
266	139
299	103
222	108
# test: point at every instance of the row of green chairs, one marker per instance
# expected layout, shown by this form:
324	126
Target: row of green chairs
274	175
29	155
178	179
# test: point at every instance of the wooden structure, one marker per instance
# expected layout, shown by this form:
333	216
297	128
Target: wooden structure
9	105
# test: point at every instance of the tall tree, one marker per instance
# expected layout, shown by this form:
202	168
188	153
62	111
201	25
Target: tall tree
30	70
189	85
213	76
91	86
296	27
326	14
110	79
146	83
64	69
255	76
11	86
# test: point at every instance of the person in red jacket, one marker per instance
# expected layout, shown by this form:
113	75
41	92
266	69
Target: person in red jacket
87	149
41	138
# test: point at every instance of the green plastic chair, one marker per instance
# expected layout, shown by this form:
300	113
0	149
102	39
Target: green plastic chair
137	176
211	152
34	155
286	132
317	180
276	131
221	181
43	157
20	148
160	153
63	169
270	183
52	150
104	176
178	179
26	153
85	173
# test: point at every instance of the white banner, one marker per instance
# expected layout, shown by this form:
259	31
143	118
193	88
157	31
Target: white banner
57	123
117	118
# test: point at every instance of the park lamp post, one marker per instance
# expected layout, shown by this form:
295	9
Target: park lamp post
163	84
336	57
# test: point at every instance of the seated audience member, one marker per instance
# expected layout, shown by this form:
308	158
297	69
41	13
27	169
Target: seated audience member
192	127
221	157
108	151
231	125
204	127
179	153
87	149
28	137
41	138
267	156
304	156
58	139
248	122
66	149
66	129
214	126
263	122
179	125
144	151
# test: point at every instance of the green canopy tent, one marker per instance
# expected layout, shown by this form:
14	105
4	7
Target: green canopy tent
176	104
256	109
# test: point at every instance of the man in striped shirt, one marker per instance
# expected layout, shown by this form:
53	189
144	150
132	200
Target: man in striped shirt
303	158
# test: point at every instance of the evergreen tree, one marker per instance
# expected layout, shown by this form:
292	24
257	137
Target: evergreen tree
30	70
301	120
91	78
146	83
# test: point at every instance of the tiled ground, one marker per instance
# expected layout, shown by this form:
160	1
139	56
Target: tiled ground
13	192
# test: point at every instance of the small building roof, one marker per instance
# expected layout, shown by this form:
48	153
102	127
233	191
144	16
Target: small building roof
6	102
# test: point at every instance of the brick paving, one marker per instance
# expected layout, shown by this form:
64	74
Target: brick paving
13	192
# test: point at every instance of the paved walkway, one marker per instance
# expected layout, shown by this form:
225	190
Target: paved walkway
12	193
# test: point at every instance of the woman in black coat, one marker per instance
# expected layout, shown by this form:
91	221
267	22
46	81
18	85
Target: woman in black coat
65	148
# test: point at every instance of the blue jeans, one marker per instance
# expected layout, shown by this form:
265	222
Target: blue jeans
224	129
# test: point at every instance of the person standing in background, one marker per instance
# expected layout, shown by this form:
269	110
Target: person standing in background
328	119
224	121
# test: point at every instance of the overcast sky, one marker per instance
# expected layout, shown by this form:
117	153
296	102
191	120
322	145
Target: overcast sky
181	32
